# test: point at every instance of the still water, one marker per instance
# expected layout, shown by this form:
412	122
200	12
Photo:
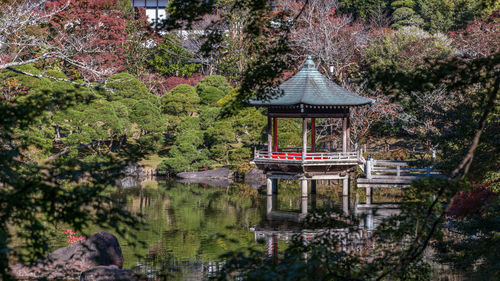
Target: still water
187	227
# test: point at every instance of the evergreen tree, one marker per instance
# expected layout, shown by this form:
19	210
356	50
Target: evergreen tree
404	14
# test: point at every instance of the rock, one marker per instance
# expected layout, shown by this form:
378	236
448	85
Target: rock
255	178
213	182
69	262
133	169
109	273
222	173
129	182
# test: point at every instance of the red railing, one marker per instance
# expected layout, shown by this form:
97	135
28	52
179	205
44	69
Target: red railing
261	155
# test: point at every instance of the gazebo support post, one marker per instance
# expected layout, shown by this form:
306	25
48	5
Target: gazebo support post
304	138
346	134
269	136
313	134
275	134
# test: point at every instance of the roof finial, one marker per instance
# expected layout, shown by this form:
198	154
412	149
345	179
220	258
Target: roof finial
309	63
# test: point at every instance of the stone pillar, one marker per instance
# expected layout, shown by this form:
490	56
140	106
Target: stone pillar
368	195
368	167
345	205
345	186
303	207
304	138
303	185
269	185
369	220
269	204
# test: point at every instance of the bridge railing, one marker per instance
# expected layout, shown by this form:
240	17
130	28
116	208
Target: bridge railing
397	169
310	157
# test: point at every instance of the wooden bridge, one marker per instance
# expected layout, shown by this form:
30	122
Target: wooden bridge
390	174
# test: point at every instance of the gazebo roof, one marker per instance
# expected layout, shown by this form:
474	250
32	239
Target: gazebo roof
310	87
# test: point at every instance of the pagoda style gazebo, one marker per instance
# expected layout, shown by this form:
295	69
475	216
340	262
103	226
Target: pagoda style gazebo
308	94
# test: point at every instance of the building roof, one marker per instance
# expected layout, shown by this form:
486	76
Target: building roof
311	87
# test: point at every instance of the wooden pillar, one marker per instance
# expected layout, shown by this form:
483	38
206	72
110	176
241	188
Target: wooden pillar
313	134
275	134
269	136
313	186
346	136
348	133
304	138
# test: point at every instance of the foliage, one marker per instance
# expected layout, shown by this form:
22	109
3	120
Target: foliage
37	195
171	59
472	245
181	101
98	18
188	152
363	9
404	14
468	204
444	15
213	88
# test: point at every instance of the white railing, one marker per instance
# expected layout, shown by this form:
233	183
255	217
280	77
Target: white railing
395	169
310	157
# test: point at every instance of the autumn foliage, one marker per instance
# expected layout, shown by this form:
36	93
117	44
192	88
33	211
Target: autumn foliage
468	203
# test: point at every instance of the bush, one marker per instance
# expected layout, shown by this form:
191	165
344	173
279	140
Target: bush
211	95
181	101
217	81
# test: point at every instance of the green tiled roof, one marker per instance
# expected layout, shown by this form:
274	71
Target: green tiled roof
311	87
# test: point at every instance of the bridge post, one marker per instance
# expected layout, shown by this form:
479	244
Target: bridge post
303	207
303	185
368	167
345	186
368	195
269	186
398	171
428	173
345	205
269	204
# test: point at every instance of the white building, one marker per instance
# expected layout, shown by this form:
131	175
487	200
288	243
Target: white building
155	9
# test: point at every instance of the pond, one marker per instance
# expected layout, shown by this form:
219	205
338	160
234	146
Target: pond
188	226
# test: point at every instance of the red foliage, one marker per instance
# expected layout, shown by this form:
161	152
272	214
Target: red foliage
172	82
466	204
160	85
71	236
93	32
4	58
480	38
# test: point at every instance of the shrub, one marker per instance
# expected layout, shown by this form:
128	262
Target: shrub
181	101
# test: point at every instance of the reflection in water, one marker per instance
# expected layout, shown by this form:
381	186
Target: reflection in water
189	226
